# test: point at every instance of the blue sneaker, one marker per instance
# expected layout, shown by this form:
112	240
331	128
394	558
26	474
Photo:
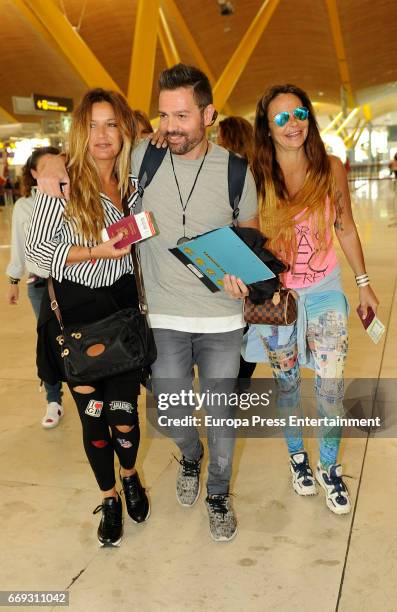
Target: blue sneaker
336	493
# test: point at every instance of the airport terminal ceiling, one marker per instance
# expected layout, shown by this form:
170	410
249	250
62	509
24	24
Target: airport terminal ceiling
297	45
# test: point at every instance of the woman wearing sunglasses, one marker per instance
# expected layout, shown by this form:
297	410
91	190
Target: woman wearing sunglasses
304	200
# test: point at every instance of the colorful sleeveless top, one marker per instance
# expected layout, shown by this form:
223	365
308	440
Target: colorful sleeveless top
311	265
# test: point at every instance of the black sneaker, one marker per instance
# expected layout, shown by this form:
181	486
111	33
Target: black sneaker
110	530
136	500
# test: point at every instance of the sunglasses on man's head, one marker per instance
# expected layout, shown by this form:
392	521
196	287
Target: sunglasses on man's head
300	112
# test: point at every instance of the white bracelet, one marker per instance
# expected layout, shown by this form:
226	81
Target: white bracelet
362	280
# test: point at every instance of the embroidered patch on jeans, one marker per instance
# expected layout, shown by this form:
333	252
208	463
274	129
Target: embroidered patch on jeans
124	443
94	408
126	406
99	443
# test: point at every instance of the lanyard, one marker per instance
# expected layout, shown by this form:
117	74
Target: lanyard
184	206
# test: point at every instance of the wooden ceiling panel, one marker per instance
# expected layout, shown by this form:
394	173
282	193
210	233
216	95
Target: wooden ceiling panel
217	35
370	34
29	64
107	28
296	46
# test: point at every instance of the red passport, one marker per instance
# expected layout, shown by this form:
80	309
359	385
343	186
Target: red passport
134	229
368	319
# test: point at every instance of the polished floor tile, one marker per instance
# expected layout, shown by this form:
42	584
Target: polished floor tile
291	553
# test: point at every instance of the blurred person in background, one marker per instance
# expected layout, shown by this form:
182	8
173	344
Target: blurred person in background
393	166
237	134
143	123
36	283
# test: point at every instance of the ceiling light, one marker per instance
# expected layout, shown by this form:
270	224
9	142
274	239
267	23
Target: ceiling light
225	8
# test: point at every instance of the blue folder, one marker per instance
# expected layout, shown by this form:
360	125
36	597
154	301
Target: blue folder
219	252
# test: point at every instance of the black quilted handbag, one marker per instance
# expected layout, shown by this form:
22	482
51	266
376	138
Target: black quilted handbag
120	342
117	343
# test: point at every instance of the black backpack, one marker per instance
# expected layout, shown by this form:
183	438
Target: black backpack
236	173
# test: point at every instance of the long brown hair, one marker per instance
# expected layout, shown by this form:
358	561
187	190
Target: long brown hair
143	122
28	181
278	210
237	135
84	208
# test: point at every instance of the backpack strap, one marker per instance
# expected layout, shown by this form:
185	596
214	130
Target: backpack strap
236	173
151	162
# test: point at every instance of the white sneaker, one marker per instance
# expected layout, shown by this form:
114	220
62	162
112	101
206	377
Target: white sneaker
302	475
336	493
52	416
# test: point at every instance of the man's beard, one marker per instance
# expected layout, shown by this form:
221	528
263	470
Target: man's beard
188	143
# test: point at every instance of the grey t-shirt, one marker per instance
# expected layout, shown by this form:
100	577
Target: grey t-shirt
171	289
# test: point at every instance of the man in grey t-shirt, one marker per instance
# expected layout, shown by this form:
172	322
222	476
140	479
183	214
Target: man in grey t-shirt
192	326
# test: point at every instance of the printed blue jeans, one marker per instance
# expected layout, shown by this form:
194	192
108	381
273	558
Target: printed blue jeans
327	340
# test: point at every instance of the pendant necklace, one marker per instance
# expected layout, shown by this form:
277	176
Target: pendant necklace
185	238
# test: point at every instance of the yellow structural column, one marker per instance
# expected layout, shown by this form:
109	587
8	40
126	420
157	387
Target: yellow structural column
242	54
73	47
349	139
167	42
143	54
367	111
173	13
332	124
358	136
347	120
35	22
337	36
7	115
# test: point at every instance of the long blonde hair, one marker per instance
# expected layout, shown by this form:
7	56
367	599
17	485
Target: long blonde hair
84	208
278	210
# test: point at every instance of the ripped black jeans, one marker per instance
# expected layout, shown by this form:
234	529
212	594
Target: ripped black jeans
109	417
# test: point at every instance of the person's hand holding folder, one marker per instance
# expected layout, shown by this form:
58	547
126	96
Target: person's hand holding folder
235	287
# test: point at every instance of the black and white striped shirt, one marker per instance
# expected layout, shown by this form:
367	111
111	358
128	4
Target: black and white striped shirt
51	236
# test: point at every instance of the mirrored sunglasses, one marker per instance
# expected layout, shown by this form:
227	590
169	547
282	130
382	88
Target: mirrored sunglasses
300	112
